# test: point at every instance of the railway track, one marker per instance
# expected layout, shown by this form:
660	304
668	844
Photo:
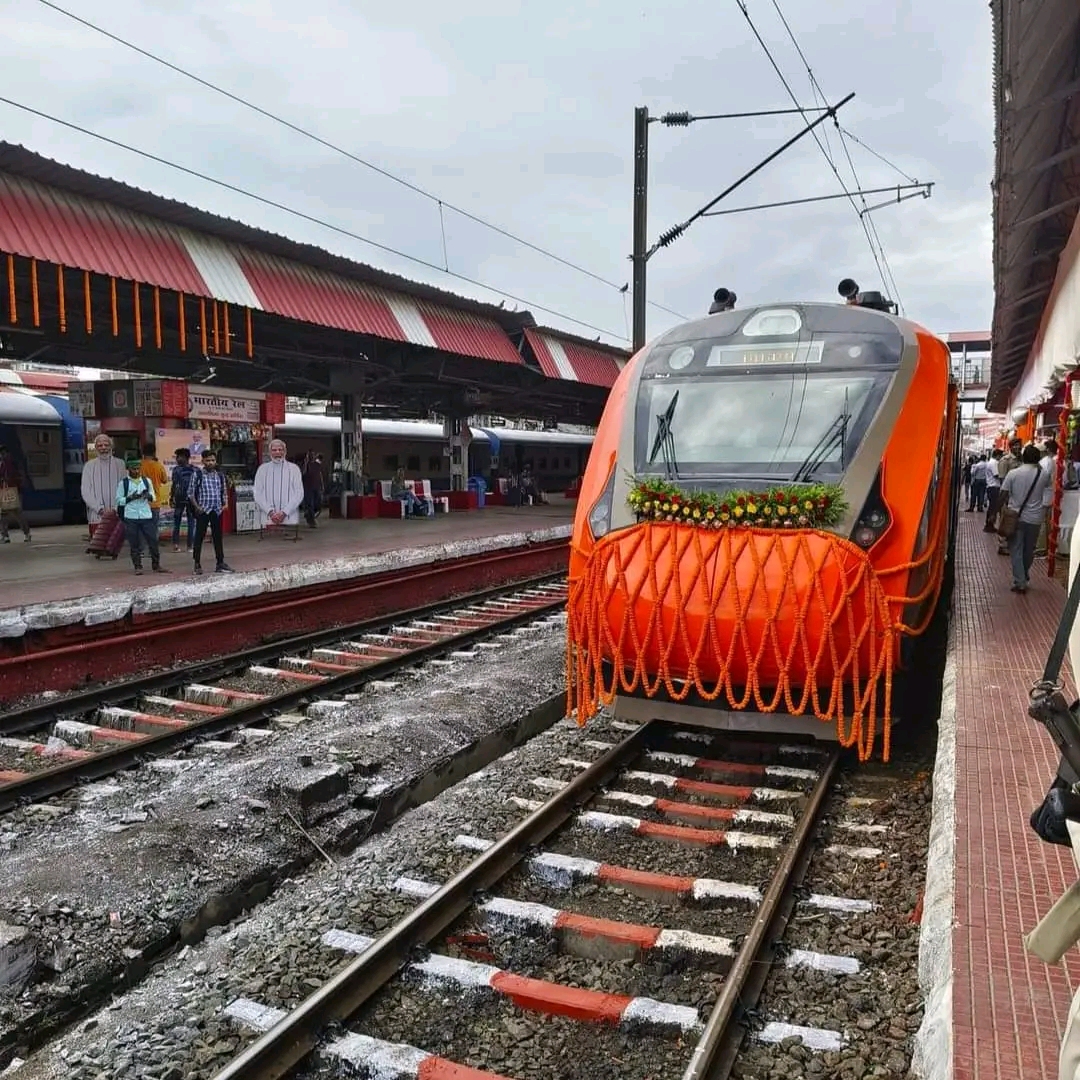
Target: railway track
564	888
68	656
58	743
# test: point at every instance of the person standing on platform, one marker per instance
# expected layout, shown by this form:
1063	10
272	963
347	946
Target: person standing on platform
1049	466
182	475
209	497
978	486
993	492
154	471
11	485
134	498
100	476
279	488
1022	491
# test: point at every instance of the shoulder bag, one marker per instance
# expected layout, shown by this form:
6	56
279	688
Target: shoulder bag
1008	519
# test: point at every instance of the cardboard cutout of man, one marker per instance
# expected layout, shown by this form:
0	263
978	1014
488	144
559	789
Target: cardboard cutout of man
279	488
100	476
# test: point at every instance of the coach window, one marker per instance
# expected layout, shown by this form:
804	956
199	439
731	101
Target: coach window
434	463
413	463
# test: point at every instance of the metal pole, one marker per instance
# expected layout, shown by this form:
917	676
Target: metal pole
641	184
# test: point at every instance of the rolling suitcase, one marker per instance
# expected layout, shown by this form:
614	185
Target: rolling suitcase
108	537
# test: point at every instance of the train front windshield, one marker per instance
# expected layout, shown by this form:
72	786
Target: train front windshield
753	415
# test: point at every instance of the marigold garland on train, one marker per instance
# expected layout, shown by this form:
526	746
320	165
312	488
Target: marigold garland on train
812	506
764	524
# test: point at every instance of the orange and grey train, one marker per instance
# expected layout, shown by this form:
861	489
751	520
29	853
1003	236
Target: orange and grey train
766	521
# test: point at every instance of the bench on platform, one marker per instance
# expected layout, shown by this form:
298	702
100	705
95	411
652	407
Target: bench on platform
395	508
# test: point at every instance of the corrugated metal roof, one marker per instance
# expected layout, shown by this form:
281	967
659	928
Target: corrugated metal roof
57	226
1036	188
563	357
20	162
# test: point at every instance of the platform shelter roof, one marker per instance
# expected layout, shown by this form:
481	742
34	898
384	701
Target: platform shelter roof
58	214
1036	188
574	359
98	273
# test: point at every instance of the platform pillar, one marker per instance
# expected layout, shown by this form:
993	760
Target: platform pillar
352	449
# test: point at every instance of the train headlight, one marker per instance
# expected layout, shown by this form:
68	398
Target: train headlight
874	518
600	514
773	322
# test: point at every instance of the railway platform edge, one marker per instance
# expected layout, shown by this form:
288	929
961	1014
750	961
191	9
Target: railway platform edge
993	1012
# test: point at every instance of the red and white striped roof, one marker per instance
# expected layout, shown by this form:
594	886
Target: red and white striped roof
54	225
561	358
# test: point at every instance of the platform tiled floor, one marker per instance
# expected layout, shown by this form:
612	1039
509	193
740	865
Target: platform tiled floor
1008	1008
55	566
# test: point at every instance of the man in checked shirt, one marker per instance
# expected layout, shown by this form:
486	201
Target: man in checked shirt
208	495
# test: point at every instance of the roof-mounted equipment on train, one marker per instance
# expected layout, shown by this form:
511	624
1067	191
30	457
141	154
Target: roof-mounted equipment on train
723	300
849	290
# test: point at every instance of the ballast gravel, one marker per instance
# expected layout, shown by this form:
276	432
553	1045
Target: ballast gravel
878	1010
172	1025
109	874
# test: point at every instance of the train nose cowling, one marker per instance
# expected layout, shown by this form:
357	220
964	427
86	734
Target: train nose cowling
764	619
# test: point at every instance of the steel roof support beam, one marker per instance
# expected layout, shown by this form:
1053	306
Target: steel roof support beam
1044	214
1062	93
1046	163
1028	296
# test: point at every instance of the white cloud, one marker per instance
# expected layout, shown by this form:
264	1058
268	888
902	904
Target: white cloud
522	113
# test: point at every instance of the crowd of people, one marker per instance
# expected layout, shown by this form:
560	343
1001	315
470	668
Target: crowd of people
1014	488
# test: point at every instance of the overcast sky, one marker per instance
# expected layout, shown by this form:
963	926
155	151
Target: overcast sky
522	113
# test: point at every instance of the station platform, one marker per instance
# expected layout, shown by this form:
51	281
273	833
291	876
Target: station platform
54	566
1008	1009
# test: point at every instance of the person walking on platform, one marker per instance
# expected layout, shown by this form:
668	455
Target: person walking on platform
1005	465
993	492
965	476
134	497
182	475
314	486
209	497
11	485
1021	493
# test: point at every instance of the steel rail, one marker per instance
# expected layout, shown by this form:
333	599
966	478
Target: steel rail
82	701
50	782
716	1048
112	650
287	1043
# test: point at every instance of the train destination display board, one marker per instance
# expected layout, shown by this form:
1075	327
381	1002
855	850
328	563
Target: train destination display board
772	355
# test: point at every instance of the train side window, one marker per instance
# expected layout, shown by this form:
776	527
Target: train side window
390	461
434	463
413	463
543	463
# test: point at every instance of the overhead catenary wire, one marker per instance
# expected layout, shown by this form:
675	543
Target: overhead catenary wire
741	4
869	225
303	216
356	158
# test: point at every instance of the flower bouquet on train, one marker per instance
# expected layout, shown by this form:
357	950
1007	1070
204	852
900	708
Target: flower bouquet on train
806	506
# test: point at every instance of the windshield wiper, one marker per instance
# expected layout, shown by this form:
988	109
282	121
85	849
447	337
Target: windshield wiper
665	439
821	449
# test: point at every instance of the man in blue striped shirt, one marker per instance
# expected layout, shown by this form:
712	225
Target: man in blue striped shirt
209	496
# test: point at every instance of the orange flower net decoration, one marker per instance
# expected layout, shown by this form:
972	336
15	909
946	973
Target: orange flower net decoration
759	618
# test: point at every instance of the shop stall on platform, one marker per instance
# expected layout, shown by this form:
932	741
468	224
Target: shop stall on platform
172	414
